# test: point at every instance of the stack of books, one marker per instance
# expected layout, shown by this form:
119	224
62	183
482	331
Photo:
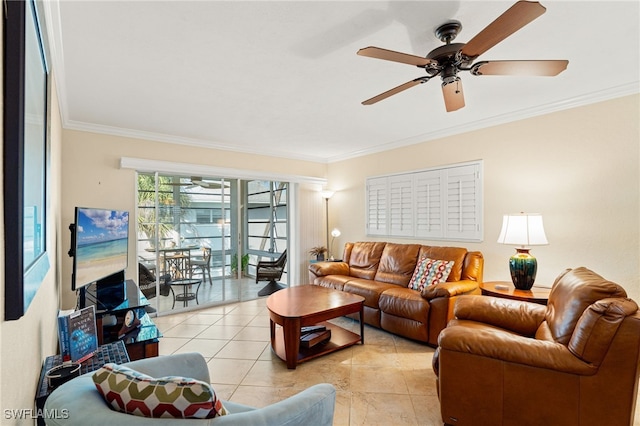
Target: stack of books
77	334
314	335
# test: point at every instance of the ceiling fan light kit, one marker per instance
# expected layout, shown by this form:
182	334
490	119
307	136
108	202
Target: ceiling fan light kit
448	60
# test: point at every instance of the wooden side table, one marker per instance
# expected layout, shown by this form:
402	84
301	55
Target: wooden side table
536	294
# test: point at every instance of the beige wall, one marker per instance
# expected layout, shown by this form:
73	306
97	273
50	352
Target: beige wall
26	342
579	168
91	177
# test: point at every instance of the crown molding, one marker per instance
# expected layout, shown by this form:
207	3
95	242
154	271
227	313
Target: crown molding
179	140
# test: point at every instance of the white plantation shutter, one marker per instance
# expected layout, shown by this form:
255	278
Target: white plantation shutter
463	213
401	205
377	206
443	203
429	204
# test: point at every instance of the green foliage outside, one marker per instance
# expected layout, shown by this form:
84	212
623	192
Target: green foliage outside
234	263
167	207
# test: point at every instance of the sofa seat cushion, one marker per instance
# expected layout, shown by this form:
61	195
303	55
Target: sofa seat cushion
335	282
369	289
404	302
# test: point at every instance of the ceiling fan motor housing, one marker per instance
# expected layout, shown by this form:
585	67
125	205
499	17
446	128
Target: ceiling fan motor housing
446	57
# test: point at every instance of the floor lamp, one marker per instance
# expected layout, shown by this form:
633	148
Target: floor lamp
335	233
326	195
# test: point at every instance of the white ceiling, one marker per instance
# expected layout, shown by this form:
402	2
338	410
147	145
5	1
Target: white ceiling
283	77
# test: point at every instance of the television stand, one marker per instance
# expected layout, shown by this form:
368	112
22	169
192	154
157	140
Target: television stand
111	352
142	340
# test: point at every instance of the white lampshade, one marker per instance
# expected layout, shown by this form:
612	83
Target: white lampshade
524	229
327	194
335	233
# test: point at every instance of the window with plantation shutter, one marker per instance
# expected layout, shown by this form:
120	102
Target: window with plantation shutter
443	203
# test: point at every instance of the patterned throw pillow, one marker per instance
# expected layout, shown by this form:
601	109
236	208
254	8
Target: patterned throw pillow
135	393
429	272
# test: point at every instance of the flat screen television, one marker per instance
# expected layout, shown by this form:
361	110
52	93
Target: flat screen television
100	248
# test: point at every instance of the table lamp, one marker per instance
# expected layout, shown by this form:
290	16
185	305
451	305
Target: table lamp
524	229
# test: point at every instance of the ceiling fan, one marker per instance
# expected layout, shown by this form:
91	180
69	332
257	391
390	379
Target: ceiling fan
448	60
199	181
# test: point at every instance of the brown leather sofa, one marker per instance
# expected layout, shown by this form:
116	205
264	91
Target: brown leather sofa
573	362
380	272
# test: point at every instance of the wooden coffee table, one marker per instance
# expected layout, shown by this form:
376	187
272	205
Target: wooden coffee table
306	305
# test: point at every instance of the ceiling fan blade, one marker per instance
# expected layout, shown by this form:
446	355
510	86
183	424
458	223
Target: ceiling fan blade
533	68
390	55
394	91
516	17
453	95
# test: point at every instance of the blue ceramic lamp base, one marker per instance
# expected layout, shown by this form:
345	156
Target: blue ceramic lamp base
523	269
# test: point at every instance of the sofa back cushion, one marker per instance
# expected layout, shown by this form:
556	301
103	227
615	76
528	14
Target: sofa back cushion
364	259
397	263
573	291
457	254
597	327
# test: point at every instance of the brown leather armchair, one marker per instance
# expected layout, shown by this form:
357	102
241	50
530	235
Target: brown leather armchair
574	362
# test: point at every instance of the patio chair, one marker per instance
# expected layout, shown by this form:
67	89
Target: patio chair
203	263
147	283
271	271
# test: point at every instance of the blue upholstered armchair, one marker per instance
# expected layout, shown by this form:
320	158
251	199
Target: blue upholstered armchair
85	406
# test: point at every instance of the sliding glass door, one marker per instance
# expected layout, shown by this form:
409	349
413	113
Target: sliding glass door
207	224
266	221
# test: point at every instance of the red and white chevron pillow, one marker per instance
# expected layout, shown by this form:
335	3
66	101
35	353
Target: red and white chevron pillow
131	392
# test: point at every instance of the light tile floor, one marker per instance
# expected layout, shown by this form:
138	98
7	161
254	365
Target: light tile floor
387	381
210	292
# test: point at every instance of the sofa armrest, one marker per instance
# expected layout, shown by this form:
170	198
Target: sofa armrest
449	289
520	317
473	268
322	269
476	339
312	406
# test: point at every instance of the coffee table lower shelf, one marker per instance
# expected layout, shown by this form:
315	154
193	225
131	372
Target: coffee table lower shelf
340	338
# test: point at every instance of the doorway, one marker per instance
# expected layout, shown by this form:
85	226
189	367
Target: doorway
219	227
